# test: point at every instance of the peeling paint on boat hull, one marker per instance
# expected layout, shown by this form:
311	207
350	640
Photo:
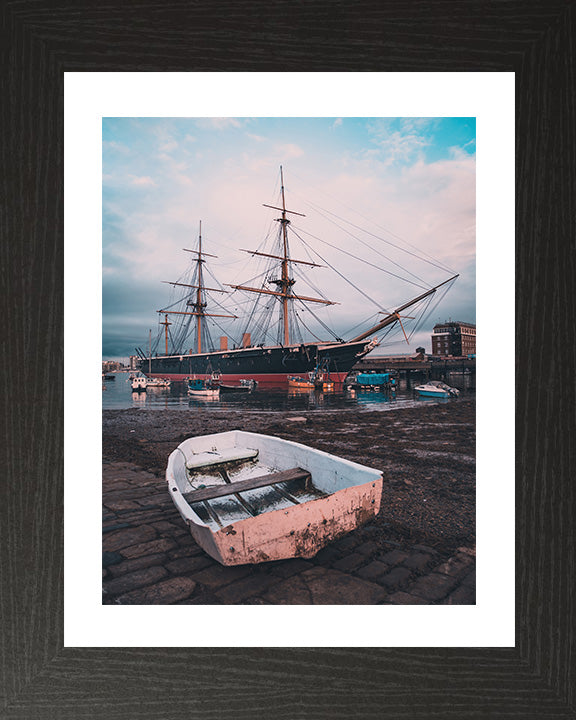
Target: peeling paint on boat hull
299	531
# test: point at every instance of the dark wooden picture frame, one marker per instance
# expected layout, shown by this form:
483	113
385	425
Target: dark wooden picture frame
39	677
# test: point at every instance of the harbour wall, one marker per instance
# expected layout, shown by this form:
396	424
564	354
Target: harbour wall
459	372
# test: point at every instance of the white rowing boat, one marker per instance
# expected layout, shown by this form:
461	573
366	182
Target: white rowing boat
250	498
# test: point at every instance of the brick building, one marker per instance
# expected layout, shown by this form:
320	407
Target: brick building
454	338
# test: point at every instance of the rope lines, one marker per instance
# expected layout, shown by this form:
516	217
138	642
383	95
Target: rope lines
264	319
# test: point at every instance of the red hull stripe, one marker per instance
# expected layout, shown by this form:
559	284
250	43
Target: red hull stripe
263	379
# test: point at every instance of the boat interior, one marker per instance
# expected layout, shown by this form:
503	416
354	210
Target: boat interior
236	475
233	484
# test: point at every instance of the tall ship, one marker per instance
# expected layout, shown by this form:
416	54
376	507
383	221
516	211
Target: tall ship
268	343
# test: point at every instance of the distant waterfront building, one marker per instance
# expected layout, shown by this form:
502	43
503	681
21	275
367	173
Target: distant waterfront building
111	366
454	338
134	362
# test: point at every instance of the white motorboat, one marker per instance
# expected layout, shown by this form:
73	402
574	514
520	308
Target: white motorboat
435	388
141	383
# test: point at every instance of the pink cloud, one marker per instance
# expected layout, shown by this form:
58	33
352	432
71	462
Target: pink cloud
146	180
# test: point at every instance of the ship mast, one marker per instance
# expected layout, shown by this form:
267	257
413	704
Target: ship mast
166	324
284	283
199	305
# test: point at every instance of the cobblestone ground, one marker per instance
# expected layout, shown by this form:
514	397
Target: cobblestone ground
149	557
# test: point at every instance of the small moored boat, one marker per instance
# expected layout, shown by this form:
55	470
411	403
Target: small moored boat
157	382
141	383
374	381
249	383
300	383
233	388
202	388
322	380
250	498
244	386
436	389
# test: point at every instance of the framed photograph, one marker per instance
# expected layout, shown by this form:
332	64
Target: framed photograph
157	170
65	653
293	339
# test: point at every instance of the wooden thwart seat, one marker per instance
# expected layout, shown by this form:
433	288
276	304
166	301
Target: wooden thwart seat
217	491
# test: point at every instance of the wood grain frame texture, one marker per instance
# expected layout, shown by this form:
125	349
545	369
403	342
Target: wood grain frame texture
43	38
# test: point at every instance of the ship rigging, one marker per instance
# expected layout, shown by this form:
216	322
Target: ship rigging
271	345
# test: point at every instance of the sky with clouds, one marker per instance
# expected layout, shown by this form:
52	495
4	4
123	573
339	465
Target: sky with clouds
397	193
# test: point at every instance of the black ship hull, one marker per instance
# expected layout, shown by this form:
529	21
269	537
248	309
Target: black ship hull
267	365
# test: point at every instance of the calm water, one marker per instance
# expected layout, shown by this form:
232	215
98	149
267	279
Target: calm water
118	396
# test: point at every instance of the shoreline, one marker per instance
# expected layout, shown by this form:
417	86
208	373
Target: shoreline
427	516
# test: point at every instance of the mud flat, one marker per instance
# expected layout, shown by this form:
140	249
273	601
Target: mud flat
419	550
